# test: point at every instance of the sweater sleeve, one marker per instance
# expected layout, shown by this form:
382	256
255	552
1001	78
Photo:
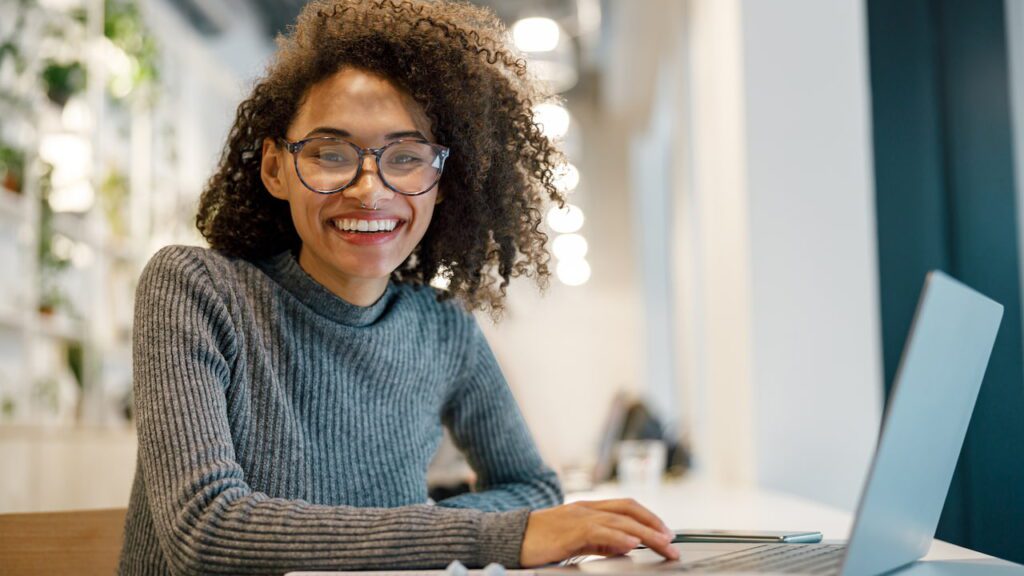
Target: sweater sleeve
207	518
489	429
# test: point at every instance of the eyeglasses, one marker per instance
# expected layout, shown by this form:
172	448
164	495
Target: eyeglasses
327	165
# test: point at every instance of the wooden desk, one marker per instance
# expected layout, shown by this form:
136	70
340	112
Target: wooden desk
81	542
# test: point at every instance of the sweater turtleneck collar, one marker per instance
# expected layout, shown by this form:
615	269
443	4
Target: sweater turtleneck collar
284	268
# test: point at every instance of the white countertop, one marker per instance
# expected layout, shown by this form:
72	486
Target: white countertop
693	503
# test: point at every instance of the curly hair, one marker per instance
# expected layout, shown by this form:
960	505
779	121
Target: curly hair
453	59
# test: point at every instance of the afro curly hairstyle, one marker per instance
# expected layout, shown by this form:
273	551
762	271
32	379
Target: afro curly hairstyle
453	59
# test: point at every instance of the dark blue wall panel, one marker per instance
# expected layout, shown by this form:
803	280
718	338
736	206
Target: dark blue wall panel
946	199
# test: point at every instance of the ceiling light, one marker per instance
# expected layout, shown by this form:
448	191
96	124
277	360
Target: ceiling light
569	247
573	272
567	177
565	220
553	119
536	34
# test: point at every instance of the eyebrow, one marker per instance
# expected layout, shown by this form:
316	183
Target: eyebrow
346	134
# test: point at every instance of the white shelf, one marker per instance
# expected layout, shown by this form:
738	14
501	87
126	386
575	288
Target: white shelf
99	283
61	327
73	226
11	204
10	322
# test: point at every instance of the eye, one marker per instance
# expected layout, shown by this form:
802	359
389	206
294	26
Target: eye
332	156
406	159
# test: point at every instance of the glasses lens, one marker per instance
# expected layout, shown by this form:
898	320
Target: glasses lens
326	165
411	167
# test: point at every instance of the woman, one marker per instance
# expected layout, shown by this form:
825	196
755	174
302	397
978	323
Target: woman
292	382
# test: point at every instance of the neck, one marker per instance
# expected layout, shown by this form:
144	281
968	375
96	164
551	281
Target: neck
357	291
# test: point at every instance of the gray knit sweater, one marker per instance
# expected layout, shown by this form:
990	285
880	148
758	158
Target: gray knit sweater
283	428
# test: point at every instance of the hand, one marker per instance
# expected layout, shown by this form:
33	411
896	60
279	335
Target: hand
605	527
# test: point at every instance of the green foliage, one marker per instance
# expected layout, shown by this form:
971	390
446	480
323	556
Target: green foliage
124	27
63	80
50	263
114	197
76	361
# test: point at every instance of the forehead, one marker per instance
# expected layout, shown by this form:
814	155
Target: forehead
362	103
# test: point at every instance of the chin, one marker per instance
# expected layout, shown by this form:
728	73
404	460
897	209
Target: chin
367	271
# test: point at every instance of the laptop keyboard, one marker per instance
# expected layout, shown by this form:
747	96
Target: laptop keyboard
786	558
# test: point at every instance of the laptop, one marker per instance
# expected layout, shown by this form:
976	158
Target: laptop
933	395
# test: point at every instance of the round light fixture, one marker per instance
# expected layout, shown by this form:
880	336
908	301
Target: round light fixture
565	220
573	272
536	34
569	247
553	119
567	177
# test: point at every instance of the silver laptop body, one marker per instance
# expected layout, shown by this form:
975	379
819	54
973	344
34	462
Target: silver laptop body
931	403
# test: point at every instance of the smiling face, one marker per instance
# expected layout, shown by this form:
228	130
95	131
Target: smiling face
369	111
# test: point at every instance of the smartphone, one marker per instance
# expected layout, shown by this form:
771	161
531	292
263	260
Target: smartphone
789	537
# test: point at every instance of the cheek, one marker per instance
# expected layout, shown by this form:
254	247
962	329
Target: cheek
305	209
424	215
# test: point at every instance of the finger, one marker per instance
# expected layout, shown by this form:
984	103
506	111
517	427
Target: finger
606	541
654	539
632	508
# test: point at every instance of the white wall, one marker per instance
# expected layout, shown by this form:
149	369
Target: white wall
784	310
566	353
763	109
712	238
817	354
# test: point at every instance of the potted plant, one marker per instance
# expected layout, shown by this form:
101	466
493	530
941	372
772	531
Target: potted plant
63	80
12	168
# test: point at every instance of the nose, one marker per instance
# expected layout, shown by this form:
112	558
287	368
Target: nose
368	188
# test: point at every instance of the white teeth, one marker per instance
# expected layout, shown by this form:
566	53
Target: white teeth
355	225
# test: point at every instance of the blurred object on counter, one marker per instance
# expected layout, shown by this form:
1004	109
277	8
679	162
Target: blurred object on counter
630	420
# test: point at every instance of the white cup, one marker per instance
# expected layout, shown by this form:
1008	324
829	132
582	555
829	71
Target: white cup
641	463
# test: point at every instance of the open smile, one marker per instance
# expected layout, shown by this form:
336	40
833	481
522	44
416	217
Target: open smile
367	231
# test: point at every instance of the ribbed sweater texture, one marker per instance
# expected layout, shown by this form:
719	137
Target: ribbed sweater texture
281	428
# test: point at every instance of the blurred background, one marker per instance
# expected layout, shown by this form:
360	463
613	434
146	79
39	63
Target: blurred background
757	190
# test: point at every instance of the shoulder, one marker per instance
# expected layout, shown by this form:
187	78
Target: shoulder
182	283
192	263
178	297
192	272
179	258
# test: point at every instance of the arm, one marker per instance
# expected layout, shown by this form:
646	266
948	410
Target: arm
487	426
206	517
